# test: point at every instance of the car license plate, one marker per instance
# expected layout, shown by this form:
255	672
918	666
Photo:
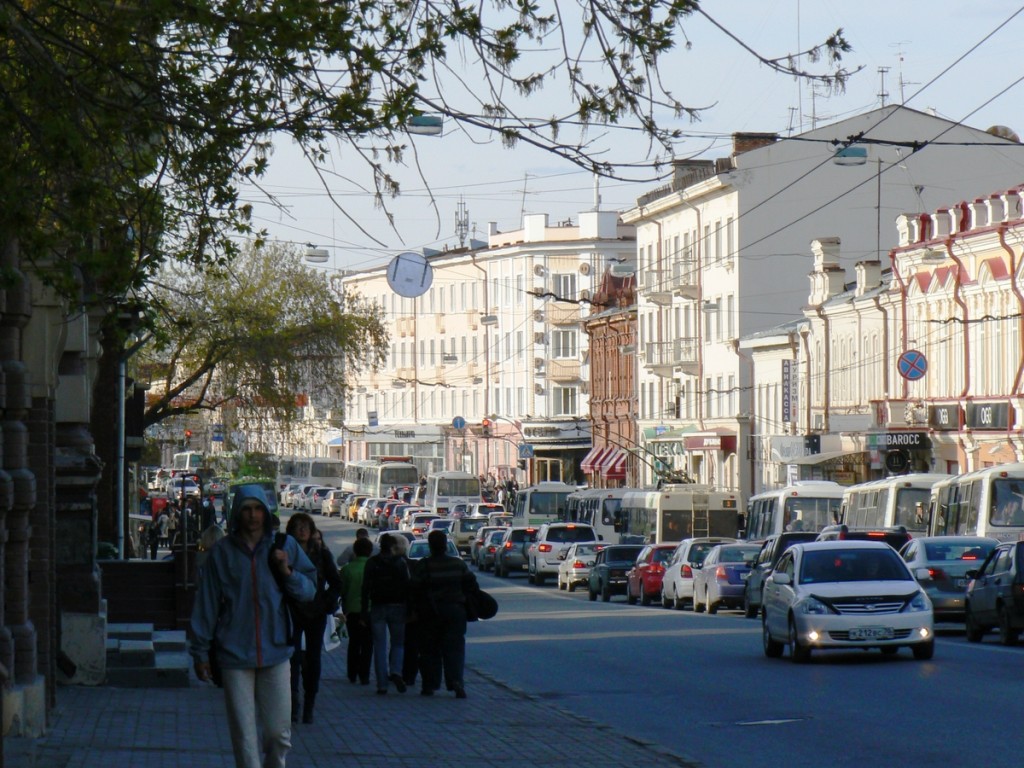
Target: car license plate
526	566
871	633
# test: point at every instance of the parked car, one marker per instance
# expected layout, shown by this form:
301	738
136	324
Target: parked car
488	549
677	581
511	555
288	494
995	595
895	537
720	580
352	503
575	567
311	502
366	513
553	539
947	560
463	531
767	557
419	548
608	573
845	594
479	537
331	503
298	498
643	580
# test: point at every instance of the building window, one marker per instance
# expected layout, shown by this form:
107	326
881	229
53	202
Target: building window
564	285
563	344
565	401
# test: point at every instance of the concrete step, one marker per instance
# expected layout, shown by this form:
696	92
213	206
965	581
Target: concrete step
170	670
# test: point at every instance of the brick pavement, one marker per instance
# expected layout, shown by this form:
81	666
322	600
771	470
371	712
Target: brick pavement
106	727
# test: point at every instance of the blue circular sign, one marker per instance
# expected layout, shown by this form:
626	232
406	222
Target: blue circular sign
912	365
458	423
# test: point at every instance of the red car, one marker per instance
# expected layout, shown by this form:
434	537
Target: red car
643	580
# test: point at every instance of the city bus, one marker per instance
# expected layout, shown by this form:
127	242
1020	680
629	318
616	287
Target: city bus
446	489
802	506
984	502
544	502
187	462
600	508
892	502
680	511
380	476
322	470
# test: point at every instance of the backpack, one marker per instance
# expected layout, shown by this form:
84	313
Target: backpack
309	610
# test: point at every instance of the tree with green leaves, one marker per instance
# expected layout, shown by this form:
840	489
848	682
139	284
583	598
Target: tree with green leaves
259	334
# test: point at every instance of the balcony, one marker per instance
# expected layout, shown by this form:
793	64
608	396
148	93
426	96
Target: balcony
662	357
656	287
686	278
560	313
563	370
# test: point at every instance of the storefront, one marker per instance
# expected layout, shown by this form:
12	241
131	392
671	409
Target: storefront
557	451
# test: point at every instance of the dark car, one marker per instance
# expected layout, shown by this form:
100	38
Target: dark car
995	595
608	574
895	537
771	551
512	554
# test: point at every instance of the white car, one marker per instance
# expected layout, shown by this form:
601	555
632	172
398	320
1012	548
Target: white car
845	594
548	551
677	582
575	566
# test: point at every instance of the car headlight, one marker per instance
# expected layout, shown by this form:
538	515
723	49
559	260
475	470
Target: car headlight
919	602
811	605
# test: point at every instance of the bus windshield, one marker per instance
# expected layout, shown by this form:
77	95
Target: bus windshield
469	486
806	513
547	503
394	476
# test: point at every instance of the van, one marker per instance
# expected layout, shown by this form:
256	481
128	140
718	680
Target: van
463	531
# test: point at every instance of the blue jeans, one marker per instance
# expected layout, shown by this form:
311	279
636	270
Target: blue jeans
388	620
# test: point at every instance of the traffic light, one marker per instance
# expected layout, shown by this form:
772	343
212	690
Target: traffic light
485	427
188	434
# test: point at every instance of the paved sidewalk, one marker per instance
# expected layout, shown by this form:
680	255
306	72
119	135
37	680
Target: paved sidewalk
105	727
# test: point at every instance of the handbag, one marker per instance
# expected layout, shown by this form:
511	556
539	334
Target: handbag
480	605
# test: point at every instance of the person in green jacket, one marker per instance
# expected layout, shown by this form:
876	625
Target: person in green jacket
357	615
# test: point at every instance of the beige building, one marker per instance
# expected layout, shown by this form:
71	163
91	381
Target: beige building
488	370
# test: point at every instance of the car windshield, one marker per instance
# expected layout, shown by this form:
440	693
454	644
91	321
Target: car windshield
737	554
834	565
572	533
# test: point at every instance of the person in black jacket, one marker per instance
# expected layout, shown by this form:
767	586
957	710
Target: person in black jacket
309	620
440	583
386	591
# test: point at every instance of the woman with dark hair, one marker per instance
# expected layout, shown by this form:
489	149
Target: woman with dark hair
310	619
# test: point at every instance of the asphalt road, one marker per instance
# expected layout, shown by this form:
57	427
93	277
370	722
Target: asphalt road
700	685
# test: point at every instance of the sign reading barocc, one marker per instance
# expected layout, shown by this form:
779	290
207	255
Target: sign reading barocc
884	441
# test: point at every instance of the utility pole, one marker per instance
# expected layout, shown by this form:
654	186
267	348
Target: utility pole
883	94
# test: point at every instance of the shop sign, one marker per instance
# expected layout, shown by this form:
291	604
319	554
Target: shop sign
887	441
706	443
944	418
988	416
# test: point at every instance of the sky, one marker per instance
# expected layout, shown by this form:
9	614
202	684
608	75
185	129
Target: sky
960	60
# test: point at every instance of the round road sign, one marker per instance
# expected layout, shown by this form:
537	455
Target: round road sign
912	365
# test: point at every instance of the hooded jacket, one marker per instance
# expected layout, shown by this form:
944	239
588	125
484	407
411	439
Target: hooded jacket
239	601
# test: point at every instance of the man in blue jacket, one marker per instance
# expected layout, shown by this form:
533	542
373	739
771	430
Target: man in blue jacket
240	610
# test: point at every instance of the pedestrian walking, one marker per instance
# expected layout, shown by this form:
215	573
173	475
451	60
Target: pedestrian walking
386	589
163	524
310	619
439	586
357	613
348	553
240	621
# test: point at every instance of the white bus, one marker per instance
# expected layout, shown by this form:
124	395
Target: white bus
187	462
898	501
681	511
446	489
600	508
803	506
380	476
985	502
541	503
322	470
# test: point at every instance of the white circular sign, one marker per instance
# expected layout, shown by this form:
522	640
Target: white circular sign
410	275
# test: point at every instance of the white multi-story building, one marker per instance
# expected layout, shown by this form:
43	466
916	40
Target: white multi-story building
495	343
917	367
722	252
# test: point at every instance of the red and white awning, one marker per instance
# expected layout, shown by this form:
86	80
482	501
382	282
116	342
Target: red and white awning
613	466
589	461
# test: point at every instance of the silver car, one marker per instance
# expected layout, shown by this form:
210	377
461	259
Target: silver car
576	563
947	559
